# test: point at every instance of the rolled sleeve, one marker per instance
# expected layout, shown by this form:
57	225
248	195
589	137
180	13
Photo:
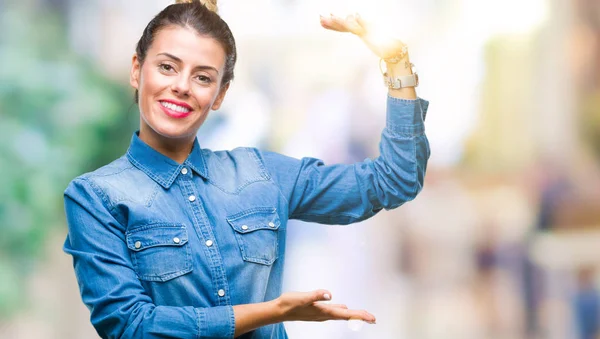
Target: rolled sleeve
216	322
406	116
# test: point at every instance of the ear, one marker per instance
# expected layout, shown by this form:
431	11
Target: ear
134	75
220	97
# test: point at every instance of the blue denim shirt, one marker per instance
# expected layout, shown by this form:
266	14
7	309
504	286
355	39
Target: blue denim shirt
163	250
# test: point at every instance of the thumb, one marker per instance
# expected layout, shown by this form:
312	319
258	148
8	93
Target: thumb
321	295
363	24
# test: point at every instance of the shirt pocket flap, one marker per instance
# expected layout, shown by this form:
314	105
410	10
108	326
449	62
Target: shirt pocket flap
149	236
255	219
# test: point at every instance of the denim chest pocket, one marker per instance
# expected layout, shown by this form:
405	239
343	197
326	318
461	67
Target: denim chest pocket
160	252
256	231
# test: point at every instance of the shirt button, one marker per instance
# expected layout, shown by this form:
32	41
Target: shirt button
176	240
184	171
221	293
244	227
192	198
209	243
271	224
137	244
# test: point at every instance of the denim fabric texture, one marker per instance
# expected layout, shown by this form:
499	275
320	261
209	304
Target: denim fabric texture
163	250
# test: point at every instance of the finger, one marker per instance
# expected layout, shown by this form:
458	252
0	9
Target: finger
328	23
352	25
337	20
337	23
321	295
346	314
361	21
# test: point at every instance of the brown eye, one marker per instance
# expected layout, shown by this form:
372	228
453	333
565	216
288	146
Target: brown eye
165	67
203	79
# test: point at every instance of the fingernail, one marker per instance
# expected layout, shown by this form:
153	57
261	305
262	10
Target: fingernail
326	296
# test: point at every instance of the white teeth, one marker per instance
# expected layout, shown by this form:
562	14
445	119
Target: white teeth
174	107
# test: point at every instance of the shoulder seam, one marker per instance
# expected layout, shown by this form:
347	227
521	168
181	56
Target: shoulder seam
103	197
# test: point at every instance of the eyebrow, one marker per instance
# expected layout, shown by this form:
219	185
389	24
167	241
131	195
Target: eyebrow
200	67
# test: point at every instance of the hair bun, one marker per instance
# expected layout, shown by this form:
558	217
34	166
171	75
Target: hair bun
210	4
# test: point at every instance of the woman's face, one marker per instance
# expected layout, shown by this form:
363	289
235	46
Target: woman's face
178	83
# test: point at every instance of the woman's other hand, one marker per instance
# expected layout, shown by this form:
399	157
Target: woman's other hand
381	43
312	306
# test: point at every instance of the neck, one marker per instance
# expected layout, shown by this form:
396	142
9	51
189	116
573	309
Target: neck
177	149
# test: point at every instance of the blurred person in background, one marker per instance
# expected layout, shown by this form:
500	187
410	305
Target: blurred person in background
586	304
175	241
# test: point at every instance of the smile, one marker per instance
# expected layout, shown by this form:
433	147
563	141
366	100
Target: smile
174	107
175	110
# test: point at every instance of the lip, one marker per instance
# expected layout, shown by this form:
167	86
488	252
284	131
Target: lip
175	114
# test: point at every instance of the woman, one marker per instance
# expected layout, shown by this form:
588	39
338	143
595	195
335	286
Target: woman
175	241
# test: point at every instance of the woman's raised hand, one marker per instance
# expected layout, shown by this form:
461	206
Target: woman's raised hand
383	45
311	306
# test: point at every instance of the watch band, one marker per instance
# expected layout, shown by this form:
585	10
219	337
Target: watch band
401	81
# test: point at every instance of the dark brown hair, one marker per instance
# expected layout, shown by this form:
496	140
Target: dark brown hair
198	16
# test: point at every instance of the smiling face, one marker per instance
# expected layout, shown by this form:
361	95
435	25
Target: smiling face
179	82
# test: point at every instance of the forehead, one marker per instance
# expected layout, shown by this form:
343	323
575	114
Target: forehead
189	46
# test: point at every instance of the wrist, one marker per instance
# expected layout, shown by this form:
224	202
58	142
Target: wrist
403	67
277	310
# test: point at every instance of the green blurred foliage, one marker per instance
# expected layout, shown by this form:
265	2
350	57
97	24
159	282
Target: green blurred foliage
59	117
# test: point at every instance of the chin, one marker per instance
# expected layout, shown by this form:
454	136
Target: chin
169	129
174	132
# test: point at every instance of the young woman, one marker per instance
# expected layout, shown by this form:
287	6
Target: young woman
175	241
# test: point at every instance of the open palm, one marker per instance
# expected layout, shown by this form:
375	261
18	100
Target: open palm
384	46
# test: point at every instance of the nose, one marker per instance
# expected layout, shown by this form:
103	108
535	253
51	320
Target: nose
181	85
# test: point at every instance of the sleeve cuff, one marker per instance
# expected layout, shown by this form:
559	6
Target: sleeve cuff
216	322
406	116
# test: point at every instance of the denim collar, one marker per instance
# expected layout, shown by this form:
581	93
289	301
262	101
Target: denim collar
161	168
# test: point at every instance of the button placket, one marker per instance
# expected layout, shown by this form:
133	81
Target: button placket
202	225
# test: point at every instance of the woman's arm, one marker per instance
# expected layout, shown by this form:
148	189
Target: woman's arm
343	194
385	47
294	306
121	308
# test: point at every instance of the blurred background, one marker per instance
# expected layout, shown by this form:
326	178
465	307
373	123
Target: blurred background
502	242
